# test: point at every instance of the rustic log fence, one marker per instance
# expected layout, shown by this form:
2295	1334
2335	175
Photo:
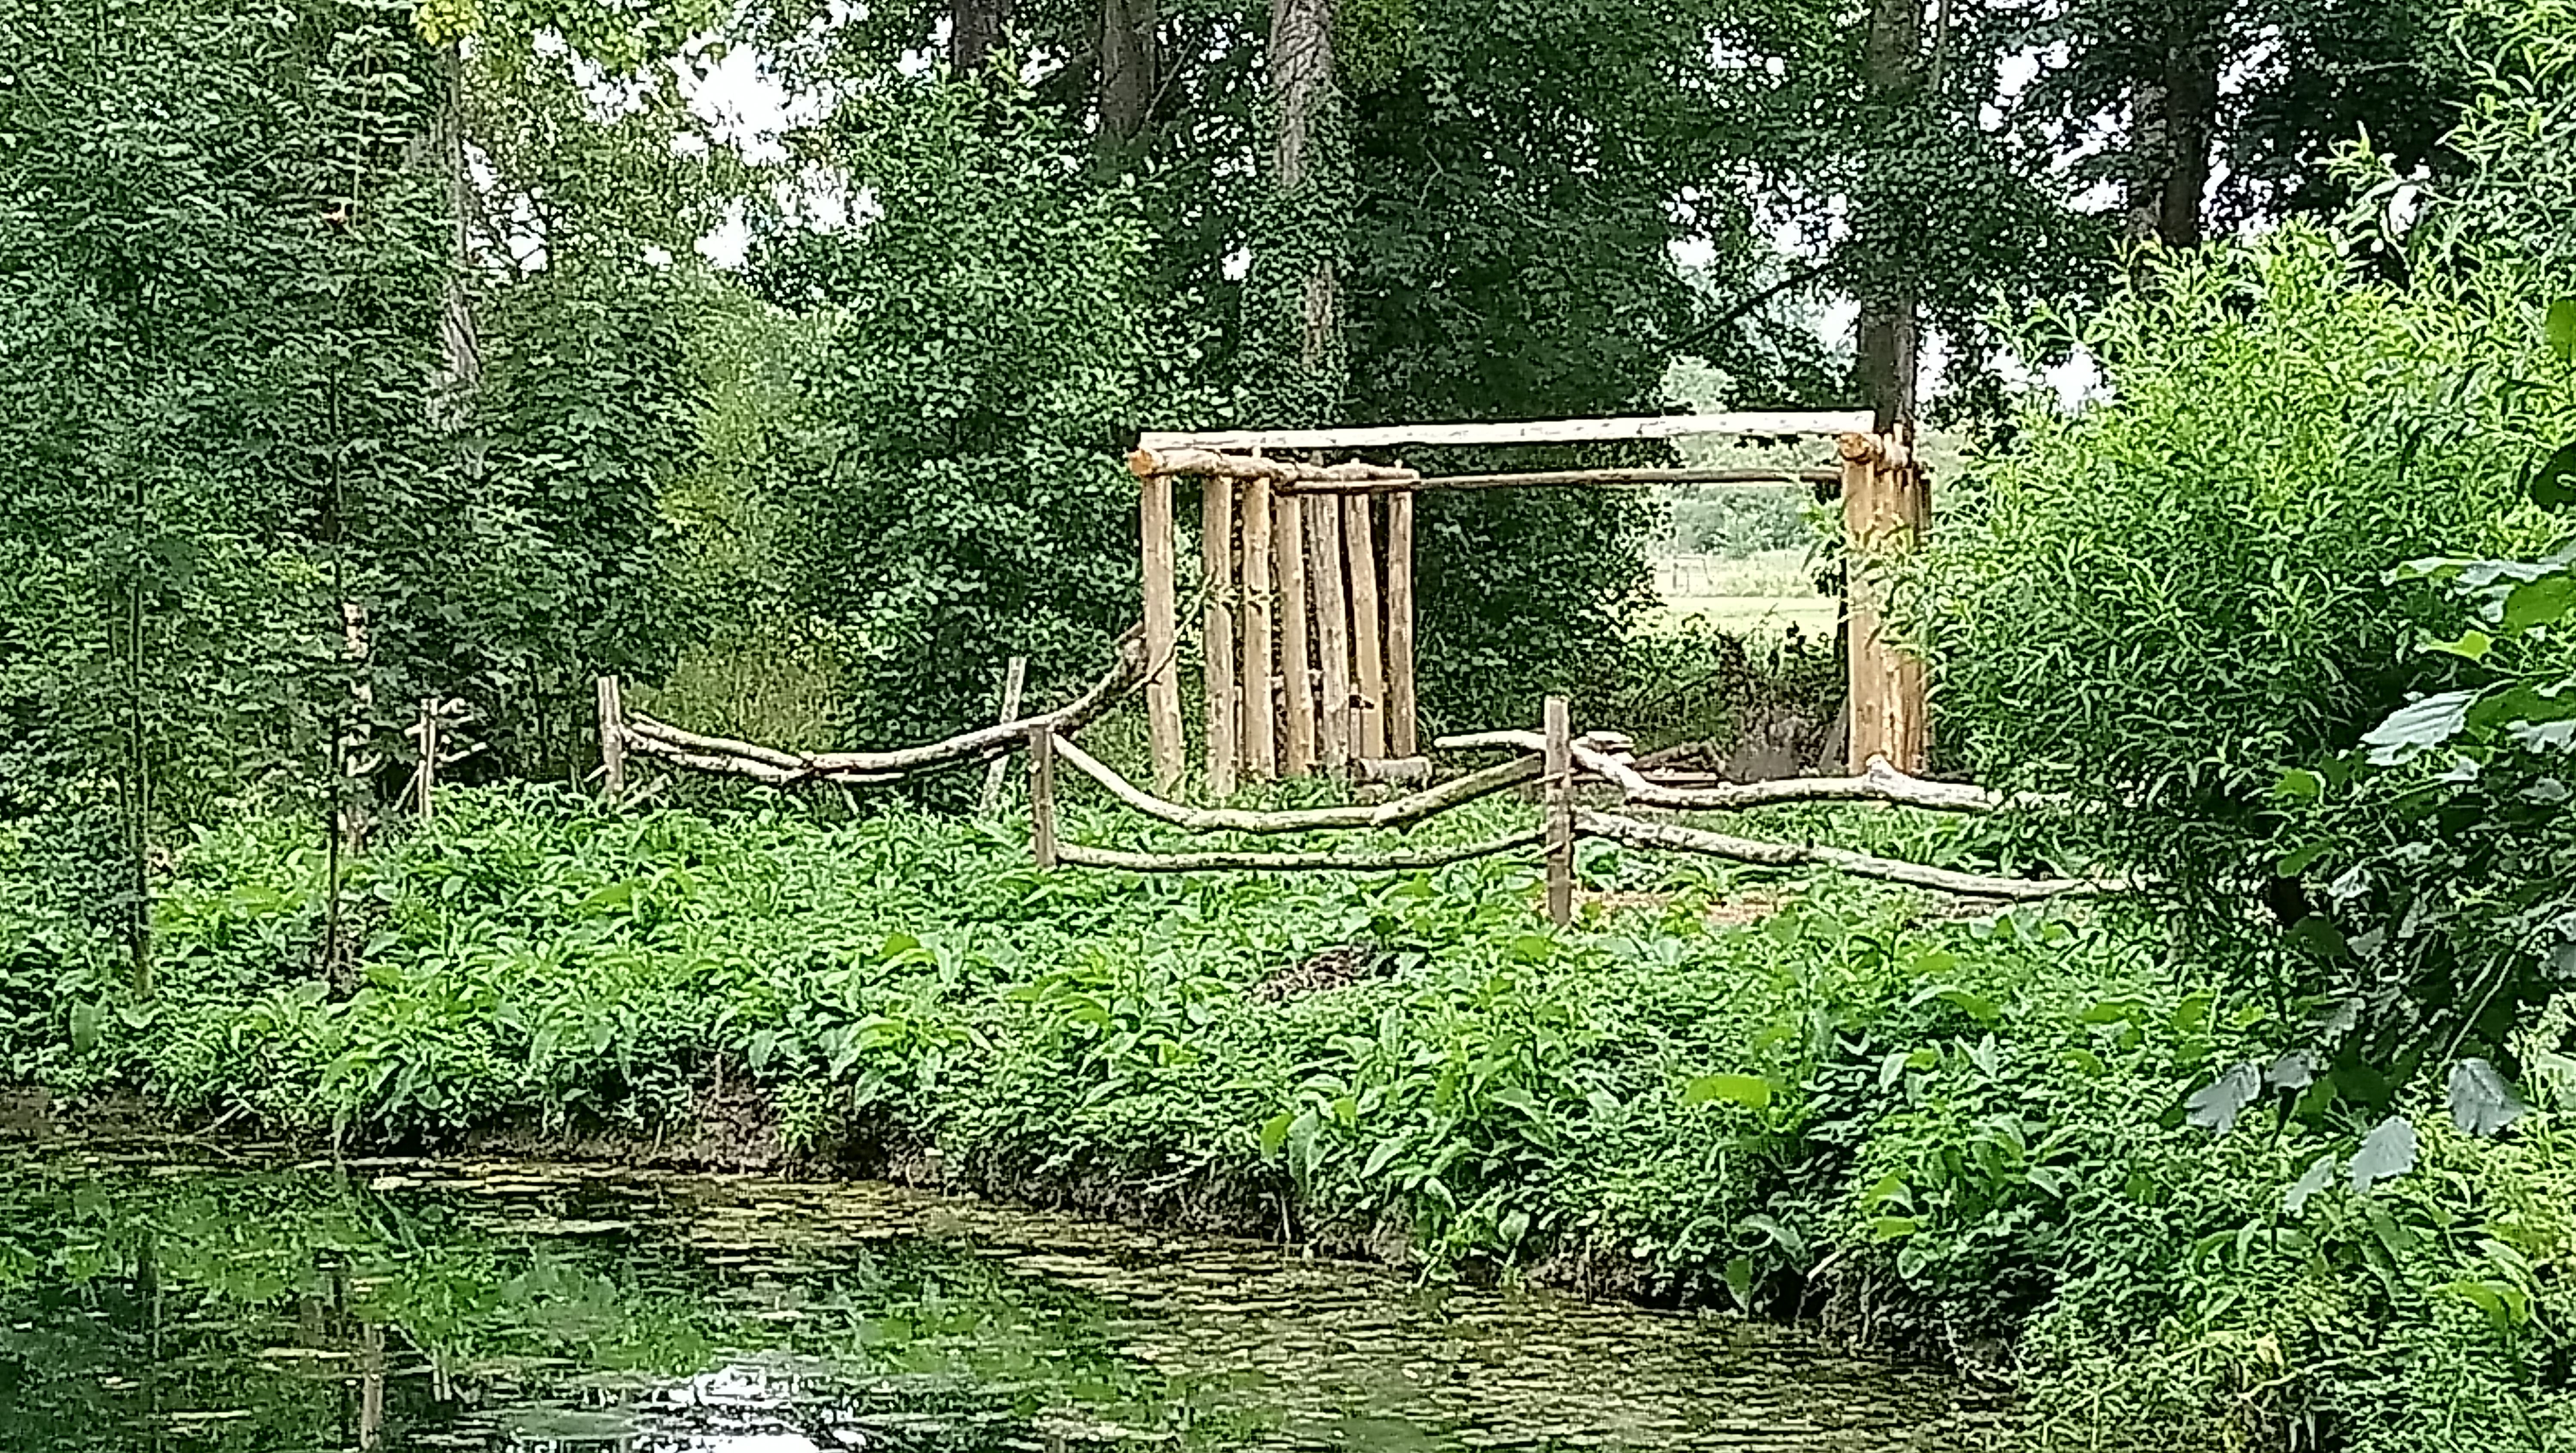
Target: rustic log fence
1556	760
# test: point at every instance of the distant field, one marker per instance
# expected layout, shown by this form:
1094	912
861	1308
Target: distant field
1756	595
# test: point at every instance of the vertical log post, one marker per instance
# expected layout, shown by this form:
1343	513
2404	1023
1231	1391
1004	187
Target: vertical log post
1885	508
1558	771
1162	633
612	739
1296	653
429	750
1015	680
1042	795
1216	559
1368	667
1332	625
1403	729
1260	701
1905	493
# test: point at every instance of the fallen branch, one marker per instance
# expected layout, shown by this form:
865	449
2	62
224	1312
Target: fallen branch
1400	812
794	769
1881	783
1671	838
1209	464
1290	862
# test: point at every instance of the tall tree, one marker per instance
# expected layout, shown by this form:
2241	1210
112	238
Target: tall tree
1893	72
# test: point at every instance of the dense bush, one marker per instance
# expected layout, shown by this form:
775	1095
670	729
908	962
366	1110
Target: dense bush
1942	1131
2160	604
975	348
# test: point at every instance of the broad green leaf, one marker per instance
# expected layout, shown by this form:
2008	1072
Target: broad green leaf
85	1022
2215	1106
1751	1091
2296	1198
2414	729
2540	602
2386	1153
2553	484
2481	1102
2559	328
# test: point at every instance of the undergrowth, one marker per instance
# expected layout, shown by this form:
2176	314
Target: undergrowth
1957	1134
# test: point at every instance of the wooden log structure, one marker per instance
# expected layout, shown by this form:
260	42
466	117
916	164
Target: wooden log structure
1211	464
1597	478
1329	577
1217	642
1309	618
1162	633
1886	511
1296	649
1558	767
1534	431
1260	697
1368	661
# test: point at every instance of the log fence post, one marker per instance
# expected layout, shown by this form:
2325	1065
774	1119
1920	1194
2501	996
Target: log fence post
1042	841
1015	680
1558	771
1216	559
612	739
1162	632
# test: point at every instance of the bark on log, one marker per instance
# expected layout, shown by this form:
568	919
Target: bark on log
648	737
1208	464
1536	431
1879	782
1603	478
1400	812
1290	862
1668	837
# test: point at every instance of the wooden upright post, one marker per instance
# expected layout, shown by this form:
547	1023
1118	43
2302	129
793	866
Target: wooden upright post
429	750
1216	558
612	739
1368	706
1403	730
1885	510
1260	703
1558	771
1332	625
1162	633
1042	794
1015	680
1296	654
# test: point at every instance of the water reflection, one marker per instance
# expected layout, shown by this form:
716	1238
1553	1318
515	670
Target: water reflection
401	1306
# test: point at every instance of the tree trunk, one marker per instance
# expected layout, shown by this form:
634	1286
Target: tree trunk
460	344
974	32
1130	71
1889	327
1301	86
2174	121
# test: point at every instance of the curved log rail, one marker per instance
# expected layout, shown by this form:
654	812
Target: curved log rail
1601	756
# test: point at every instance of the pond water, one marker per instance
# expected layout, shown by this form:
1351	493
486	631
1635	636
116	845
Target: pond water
387	1305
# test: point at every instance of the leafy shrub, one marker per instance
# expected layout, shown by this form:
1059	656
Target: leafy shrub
972	347
2159	604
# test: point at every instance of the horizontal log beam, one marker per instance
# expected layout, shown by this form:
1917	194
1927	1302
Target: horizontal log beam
777	768
1535	431
1881	783
1290	862
1595	478
1400	812
1210	464
1668	837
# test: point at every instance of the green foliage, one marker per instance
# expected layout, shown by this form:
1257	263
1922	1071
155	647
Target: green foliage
1944	1131
2160	604
947	479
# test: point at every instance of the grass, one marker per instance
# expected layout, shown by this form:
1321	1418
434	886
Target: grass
1757	595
